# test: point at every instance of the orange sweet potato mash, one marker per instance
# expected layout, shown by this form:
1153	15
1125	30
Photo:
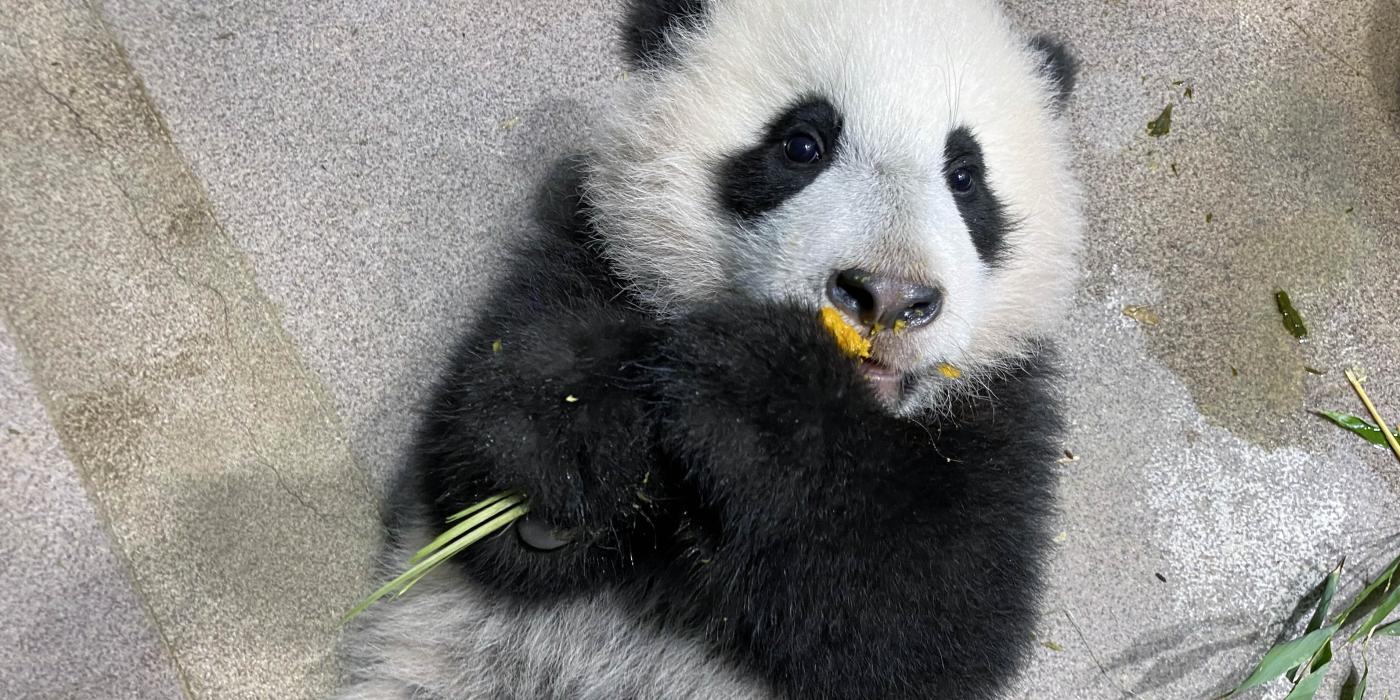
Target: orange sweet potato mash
851	342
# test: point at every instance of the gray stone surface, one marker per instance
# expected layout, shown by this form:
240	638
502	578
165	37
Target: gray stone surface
1227	485
366	163
205	444
70	622
371	160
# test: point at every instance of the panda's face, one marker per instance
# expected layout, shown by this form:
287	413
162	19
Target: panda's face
900	160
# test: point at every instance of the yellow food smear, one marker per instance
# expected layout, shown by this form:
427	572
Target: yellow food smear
950	371
900	326
851	342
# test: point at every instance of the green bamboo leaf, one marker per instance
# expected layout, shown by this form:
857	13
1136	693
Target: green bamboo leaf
1382	611
1329	590
1324	601
1316	662
476	535
1354	687
483	511
1366	429
415	573
1317	670
1358	690
1307	688
1389	629
1381	583
482	504
1286	656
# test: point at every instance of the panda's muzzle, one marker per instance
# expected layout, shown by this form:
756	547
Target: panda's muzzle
884	301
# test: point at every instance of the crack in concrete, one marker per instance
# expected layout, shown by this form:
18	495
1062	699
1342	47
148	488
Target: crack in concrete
277	475
1308	37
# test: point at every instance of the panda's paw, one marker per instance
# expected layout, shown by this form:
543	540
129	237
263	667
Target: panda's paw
758	399
764	361
562	411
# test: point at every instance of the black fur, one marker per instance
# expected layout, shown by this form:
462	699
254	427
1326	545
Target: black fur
1059	64
554	411
733	472
981	210
647	30
861	555
762	178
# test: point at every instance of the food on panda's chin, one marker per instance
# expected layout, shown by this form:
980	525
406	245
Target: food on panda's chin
856	346
848	339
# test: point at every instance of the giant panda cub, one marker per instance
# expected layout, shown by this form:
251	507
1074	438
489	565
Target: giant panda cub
723	504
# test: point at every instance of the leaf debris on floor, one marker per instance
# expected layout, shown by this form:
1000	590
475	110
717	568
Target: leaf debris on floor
1366	429
1292	320
1162	125
1391	440
1305	661
1142	314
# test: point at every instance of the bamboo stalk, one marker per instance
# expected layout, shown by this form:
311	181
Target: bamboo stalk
1375	415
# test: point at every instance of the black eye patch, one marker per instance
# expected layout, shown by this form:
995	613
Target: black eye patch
984	215
796	147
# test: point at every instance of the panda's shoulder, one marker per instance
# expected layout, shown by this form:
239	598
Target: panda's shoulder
560	254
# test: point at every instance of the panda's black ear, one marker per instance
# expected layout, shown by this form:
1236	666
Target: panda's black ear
1059	64
649	26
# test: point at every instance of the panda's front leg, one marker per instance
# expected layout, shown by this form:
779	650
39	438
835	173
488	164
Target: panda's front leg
860	555
551	400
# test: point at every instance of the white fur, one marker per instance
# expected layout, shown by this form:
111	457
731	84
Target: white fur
904	73
447	640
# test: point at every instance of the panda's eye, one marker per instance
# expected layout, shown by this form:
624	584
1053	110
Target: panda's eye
802	148
961	180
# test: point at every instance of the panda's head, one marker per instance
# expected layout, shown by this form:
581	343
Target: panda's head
901	160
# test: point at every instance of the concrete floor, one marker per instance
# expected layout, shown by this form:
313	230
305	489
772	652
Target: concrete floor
238	237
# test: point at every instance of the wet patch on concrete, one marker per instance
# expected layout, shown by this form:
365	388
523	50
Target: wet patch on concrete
187	224
1243	234
1274	176
104	430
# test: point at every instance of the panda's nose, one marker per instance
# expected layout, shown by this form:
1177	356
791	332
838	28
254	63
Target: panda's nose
884	301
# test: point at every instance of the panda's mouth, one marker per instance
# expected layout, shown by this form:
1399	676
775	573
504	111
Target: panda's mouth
875	369
886	381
